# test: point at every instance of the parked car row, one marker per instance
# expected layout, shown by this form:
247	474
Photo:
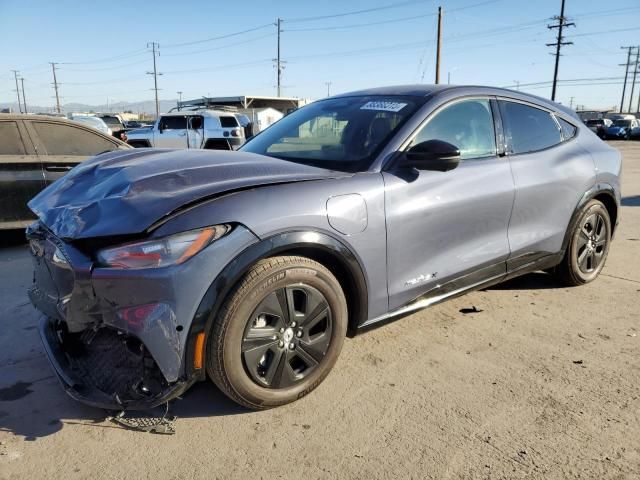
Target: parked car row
209	129
620	127
37	150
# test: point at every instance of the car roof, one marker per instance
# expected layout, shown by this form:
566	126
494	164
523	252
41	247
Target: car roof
63	120
430	90
210	113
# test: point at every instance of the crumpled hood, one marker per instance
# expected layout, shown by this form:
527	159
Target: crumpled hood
121	193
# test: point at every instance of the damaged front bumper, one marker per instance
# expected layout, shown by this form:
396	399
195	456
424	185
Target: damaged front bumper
118	339
107	372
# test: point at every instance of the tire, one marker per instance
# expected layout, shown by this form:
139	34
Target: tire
588	246
256	354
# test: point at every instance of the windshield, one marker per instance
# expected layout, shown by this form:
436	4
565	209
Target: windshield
339	133
622	123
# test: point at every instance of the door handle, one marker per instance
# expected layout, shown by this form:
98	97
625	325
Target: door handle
58	168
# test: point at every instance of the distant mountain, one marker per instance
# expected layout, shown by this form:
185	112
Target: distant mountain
147	107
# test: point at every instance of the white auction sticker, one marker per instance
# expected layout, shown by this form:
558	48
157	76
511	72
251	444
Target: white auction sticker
384	106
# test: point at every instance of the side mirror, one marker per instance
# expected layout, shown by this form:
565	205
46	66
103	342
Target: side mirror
432	155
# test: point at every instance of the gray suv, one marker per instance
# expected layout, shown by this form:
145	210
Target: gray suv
156	268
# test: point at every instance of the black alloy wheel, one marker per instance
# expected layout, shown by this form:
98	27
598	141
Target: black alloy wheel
287	336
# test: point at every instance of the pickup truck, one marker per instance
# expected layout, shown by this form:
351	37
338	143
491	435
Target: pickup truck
210	129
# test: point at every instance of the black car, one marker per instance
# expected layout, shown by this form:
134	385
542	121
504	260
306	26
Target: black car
34	152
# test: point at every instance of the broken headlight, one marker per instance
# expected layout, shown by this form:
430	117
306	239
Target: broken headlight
161	252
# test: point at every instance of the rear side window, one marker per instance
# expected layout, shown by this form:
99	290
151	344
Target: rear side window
228	122
10	139
173	123
59	139
528	129
568	130
113	121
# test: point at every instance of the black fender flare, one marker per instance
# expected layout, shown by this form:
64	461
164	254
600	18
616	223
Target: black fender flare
268	247
597	189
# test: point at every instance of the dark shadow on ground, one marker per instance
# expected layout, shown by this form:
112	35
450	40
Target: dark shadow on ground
12	238
631	201
44	409
531	281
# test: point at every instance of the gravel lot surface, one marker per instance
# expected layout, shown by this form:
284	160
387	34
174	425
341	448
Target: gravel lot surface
542	382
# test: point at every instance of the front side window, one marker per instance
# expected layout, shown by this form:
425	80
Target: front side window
528	129
60	139
467	124
339	133
173	122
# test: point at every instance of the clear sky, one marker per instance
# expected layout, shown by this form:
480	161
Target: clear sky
102	54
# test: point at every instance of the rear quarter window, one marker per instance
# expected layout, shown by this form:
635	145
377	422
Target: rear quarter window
528	129
568	130
60	139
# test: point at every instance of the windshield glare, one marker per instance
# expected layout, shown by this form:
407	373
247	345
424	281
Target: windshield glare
339	133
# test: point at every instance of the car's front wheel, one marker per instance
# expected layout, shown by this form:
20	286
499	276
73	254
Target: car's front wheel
588	245
279	333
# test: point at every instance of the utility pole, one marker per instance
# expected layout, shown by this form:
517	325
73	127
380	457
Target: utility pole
638	107
55	85
24	99
571	102
562	22
179	99
328	84
278	60
15	74
517	82
439	47
155	74
626	74
633	82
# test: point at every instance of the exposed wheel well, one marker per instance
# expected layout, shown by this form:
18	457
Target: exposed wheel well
356	300
611	206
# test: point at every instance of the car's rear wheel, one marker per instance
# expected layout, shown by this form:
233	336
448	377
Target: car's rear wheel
588	246
279	333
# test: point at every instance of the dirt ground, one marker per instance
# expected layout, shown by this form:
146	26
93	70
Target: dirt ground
543	382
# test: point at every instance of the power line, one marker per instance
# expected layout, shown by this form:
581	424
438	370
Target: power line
220	47
562	22
133	53
220	37
355	12
358	25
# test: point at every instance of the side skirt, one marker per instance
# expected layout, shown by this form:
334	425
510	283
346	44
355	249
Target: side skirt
445	292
